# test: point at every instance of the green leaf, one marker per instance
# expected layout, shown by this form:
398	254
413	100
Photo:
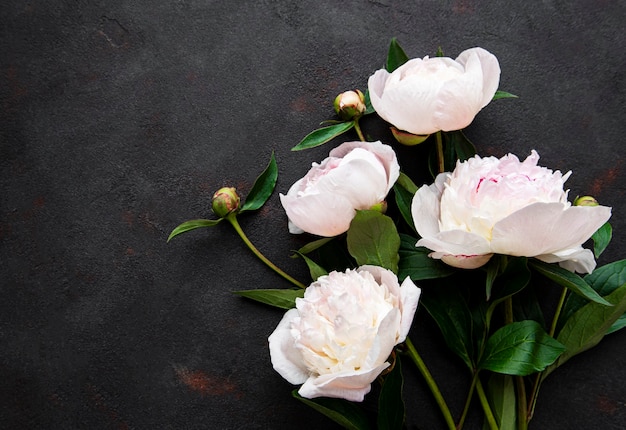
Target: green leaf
520	348
588	325
448	308
512	280
407	183
312	246
463	148
604	280
192	225
493	270
619	324
280	298
368	104
396	56
601	239
373	239
415	262
403	200
322	135
314	269
567	279
501	394
347	414
262	188
391	410
503	95
526	306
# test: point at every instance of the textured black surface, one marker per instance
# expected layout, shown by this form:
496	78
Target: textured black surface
118	121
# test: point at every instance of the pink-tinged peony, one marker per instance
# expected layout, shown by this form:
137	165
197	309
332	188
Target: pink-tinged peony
427	95
492	206
356	175
340	335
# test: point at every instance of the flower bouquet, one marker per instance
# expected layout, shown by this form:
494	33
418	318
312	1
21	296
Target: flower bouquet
473	248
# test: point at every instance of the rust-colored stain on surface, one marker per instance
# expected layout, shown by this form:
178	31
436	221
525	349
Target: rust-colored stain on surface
206	385
607	179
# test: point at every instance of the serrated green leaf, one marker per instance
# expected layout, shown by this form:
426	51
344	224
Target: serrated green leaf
192	225
604	280
415	262
262	188
322	135
520	348
567	279
391	411
314	269
373	239
280	298
395	56
503	95
347	414
448	308
501	394
601	239
403	200
588	325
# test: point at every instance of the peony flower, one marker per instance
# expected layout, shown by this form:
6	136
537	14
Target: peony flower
503	206
337	339
427	95
356	175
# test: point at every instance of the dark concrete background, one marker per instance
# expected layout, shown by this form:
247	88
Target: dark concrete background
119	120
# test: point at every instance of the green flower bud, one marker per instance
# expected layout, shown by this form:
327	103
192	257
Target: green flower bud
585	201
225	201
350	105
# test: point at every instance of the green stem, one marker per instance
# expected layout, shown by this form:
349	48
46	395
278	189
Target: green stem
539	377
468	401
434	389
520	387
491	420
232	218
357	127
441	164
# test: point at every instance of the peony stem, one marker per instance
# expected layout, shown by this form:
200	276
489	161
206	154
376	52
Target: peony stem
232	218
491	420
434	389
440	160
539	377
520	387
357	127
468	401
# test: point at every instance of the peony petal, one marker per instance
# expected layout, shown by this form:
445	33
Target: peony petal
352	386
465	261
425	207
409	297
360	178
490	71
546	228
285	357
321	214
456	242
575	260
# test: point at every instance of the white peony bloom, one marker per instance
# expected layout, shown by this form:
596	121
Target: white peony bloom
356	175
492	206
338	338
427	95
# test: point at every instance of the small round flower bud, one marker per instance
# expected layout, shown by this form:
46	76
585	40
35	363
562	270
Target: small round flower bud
350	105
225	201
585	201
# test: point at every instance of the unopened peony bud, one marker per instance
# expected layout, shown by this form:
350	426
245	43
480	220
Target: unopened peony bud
585	201
225	201
350	105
